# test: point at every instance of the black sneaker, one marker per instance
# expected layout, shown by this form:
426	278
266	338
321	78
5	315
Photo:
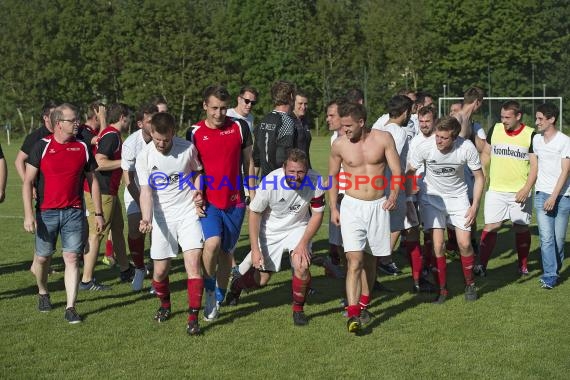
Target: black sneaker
479	270
441	297
44	303
299	318
353	325
193	328
365	317
93	285
470	293
389	269
127	275
424	286
162	314
71	316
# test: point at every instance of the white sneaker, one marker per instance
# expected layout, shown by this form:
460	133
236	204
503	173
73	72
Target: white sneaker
138	279
211	306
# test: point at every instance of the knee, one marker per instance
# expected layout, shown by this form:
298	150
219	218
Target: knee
42	260
354	265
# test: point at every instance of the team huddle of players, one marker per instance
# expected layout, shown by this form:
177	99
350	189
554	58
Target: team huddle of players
189	194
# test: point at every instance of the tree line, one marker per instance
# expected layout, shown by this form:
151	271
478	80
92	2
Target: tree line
129	50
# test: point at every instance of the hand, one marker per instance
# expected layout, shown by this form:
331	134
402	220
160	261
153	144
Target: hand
30	224
390	204
521	196
549	204
257	260
335	216
101	110
145	226
470	216
301	257
34	193
100	223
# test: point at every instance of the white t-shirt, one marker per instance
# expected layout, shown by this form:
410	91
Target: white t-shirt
420	170
234	115
412	129
550	156
444	175
172	198
284	208
132	146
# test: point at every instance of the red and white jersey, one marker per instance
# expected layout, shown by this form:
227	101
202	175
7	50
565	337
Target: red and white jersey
444	174
170	178
284	208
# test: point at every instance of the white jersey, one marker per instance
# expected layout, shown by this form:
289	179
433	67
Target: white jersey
550	156
173	199
420	170
284	208
401	141
412	129
132	146
234	115
444	175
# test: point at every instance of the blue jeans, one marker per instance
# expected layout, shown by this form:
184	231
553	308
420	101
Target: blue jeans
552	231
69	223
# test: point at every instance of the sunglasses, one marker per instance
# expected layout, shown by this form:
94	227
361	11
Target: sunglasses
248	101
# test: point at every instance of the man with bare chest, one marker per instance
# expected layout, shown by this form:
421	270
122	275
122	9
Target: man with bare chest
364	216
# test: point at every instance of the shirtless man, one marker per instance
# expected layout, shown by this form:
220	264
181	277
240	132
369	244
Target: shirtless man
364	215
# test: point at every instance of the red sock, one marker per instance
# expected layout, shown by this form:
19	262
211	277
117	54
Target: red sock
136	246
300	288
522	241
441	272
353	311
486	246
467	266
247	281
162	290
451	239
429	257
109	248
415	253
195	290
364	301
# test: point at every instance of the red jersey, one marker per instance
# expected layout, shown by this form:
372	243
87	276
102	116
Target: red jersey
109	143
61	172
220	152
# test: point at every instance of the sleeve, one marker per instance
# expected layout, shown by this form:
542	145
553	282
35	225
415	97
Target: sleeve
108	144
128	158
195	163
479	131
29	142
86	135
318	201
472	156
35	156
247	140
1	153
380	122
141	167
415	156
91	163
286	139
255	154
490	134
565	152
261	201
531	147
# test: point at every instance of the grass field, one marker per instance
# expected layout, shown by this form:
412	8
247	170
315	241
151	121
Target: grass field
515	330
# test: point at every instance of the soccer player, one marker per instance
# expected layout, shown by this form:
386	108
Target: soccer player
224	146
445	200
301	123
170	200
364	211
246	99
552	198
276	132
132	146
108	156
59	164
285	215
512	175
3	175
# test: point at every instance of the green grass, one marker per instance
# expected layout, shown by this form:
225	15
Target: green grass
515	330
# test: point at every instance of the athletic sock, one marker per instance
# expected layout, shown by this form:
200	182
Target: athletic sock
353	311
220	294
299	292
522	241
247	281
136	247
109	248
488	241
415	254
195	290
210	284
162	290
441	272
467	266
364	301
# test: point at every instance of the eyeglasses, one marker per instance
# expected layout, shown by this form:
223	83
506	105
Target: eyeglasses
72	121
247	101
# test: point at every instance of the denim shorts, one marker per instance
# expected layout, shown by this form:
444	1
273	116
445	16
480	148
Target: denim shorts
69	222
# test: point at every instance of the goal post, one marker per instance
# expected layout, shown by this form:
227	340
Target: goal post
490	112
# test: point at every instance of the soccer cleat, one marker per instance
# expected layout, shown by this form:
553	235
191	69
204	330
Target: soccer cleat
389	269
523	271
235	273
353	324
127	275
138	280
214	313
365	317
71	316
424	286
441	297
93	285
479	270
162	314
470	293
44	303
299	318
109	261
193	328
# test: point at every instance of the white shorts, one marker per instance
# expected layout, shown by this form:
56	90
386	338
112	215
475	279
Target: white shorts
335	236
399	220
273	245
437	212
166	236
500	206
362	222
131	207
